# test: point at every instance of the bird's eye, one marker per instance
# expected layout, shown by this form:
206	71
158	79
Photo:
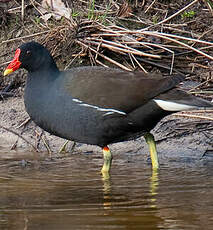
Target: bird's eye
28	52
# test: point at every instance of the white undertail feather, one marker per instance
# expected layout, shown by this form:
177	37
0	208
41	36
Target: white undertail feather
173	106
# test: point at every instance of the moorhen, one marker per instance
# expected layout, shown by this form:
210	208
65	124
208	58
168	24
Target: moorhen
96	105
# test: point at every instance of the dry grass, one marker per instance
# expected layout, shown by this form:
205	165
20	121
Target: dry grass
100	33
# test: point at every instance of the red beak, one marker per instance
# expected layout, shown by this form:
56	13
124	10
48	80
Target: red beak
14	64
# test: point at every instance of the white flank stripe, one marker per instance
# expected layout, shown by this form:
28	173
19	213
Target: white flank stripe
173	106
109	113
112	110
76	100
98	108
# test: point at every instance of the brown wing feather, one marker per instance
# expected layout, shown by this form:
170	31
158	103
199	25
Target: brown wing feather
114	88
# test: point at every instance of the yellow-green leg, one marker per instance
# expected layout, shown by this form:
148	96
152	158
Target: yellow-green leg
107	160
152	149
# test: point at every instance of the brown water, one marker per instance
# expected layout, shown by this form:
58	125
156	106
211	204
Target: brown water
69	193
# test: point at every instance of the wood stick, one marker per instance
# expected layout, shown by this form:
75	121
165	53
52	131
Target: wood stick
180	43
175	14
125	50
27	36
22	10
17	134
103	56
193	116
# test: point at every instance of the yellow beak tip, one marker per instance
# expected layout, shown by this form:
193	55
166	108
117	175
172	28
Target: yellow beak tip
7	71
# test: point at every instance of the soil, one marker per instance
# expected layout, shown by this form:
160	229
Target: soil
177	136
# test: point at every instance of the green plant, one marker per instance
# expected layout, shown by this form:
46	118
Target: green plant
155	19
75	14
91	9
104	16
188	14
37	20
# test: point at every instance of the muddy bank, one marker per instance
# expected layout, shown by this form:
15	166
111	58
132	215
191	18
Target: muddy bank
177	138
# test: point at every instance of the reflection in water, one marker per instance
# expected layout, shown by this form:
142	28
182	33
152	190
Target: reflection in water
106	191
154	183
59	193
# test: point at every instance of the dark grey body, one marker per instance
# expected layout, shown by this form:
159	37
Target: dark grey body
49	102
54	110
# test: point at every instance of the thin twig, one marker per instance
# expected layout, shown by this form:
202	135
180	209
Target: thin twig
135	59
175	14
103	56
24	122
41	136
152	3
122	48
201	111
24	37
193	116
17	134
22	10
180	43
5	63
76	56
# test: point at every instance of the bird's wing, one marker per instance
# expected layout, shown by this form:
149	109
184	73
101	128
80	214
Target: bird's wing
116	89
